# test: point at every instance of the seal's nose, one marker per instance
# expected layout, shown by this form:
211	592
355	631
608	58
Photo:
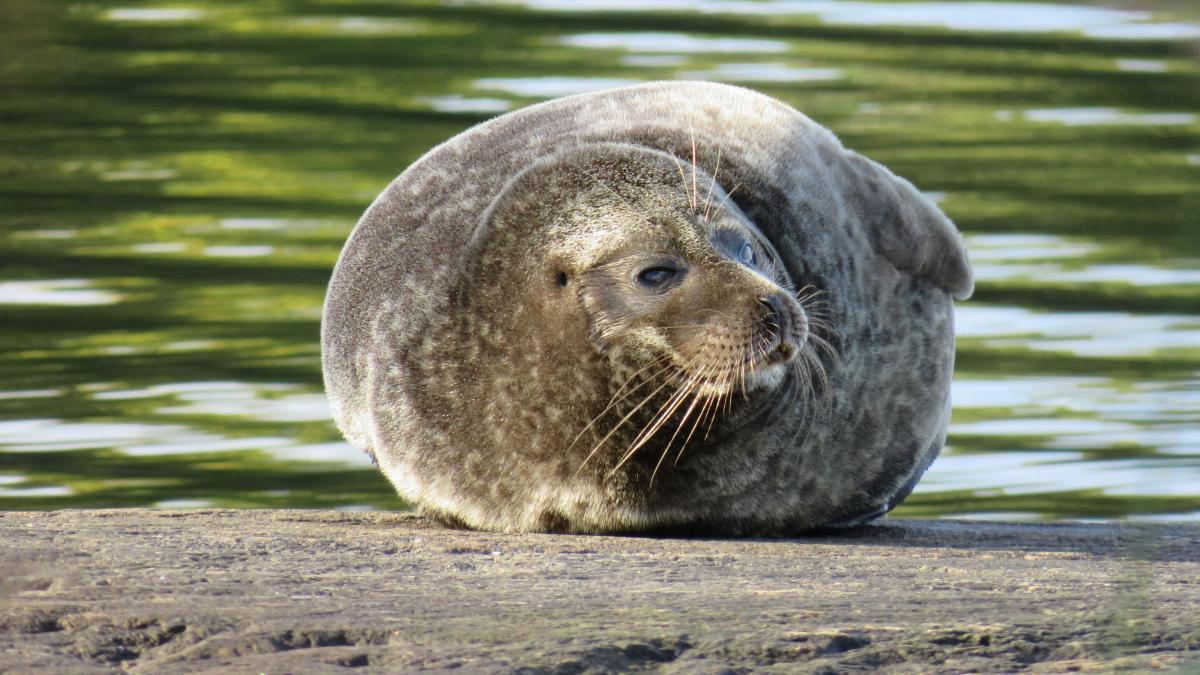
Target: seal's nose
774	316
774	320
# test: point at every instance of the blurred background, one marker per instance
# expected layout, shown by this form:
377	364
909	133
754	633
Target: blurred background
177	179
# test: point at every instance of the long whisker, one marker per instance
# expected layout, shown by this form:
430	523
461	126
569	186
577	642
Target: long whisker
817	370
820	344
804	392
660	416
711	406
727	196
658	420
695	399
717	172
696	396
691	432
695	192
624	419
682	178
812	399
618	396
727	389
722	399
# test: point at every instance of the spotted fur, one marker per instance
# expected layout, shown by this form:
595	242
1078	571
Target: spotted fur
479	344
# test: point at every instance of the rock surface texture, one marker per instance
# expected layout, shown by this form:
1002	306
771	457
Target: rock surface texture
306	591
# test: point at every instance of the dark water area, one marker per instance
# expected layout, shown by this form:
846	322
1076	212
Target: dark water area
176	182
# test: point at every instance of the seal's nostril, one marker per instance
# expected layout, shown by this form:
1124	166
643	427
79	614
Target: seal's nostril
773	315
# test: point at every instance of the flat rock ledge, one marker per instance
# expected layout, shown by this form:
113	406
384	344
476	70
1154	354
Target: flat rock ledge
311	591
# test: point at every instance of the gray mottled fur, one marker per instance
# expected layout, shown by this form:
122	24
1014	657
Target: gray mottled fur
406	352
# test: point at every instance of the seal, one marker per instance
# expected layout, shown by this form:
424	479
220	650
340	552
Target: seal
676	306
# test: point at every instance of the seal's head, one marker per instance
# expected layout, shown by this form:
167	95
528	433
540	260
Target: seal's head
662	265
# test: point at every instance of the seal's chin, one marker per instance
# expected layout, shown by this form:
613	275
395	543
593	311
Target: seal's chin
770	371
766	377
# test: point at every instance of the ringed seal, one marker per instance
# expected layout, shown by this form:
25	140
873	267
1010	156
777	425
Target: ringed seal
673	306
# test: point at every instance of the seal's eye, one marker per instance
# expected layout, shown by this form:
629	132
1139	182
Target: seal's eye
656	277
746	254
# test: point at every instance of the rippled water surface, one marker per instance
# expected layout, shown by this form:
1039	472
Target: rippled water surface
178	180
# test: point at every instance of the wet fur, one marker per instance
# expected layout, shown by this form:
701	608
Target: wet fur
488	401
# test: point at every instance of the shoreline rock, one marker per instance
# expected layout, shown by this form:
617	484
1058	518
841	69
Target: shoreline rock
320	591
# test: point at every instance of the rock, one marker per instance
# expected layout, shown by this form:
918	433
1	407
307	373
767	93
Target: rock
299	591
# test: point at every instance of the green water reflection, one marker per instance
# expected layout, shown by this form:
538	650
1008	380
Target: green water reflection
178	180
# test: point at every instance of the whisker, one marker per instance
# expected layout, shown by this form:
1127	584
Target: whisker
695	192
618	397
691	432
707	402
667	448
727	196
817	369
804	393
621	423
709	410
719	399
682	178
819	343
660	416
731	376
664	413
717	172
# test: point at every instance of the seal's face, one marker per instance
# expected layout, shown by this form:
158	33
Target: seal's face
705	295
692	318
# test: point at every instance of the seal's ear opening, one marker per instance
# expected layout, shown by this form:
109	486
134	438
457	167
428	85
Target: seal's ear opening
907	229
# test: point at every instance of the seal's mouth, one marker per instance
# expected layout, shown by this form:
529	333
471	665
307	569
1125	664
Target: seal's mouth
769	371
765	372
781	351
781	332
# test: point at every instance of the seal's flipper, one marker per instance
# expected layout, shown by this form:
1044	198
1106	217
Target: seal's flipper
905	227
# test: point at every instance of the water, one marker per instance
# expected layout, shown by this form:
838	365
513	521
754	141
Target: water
178	181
